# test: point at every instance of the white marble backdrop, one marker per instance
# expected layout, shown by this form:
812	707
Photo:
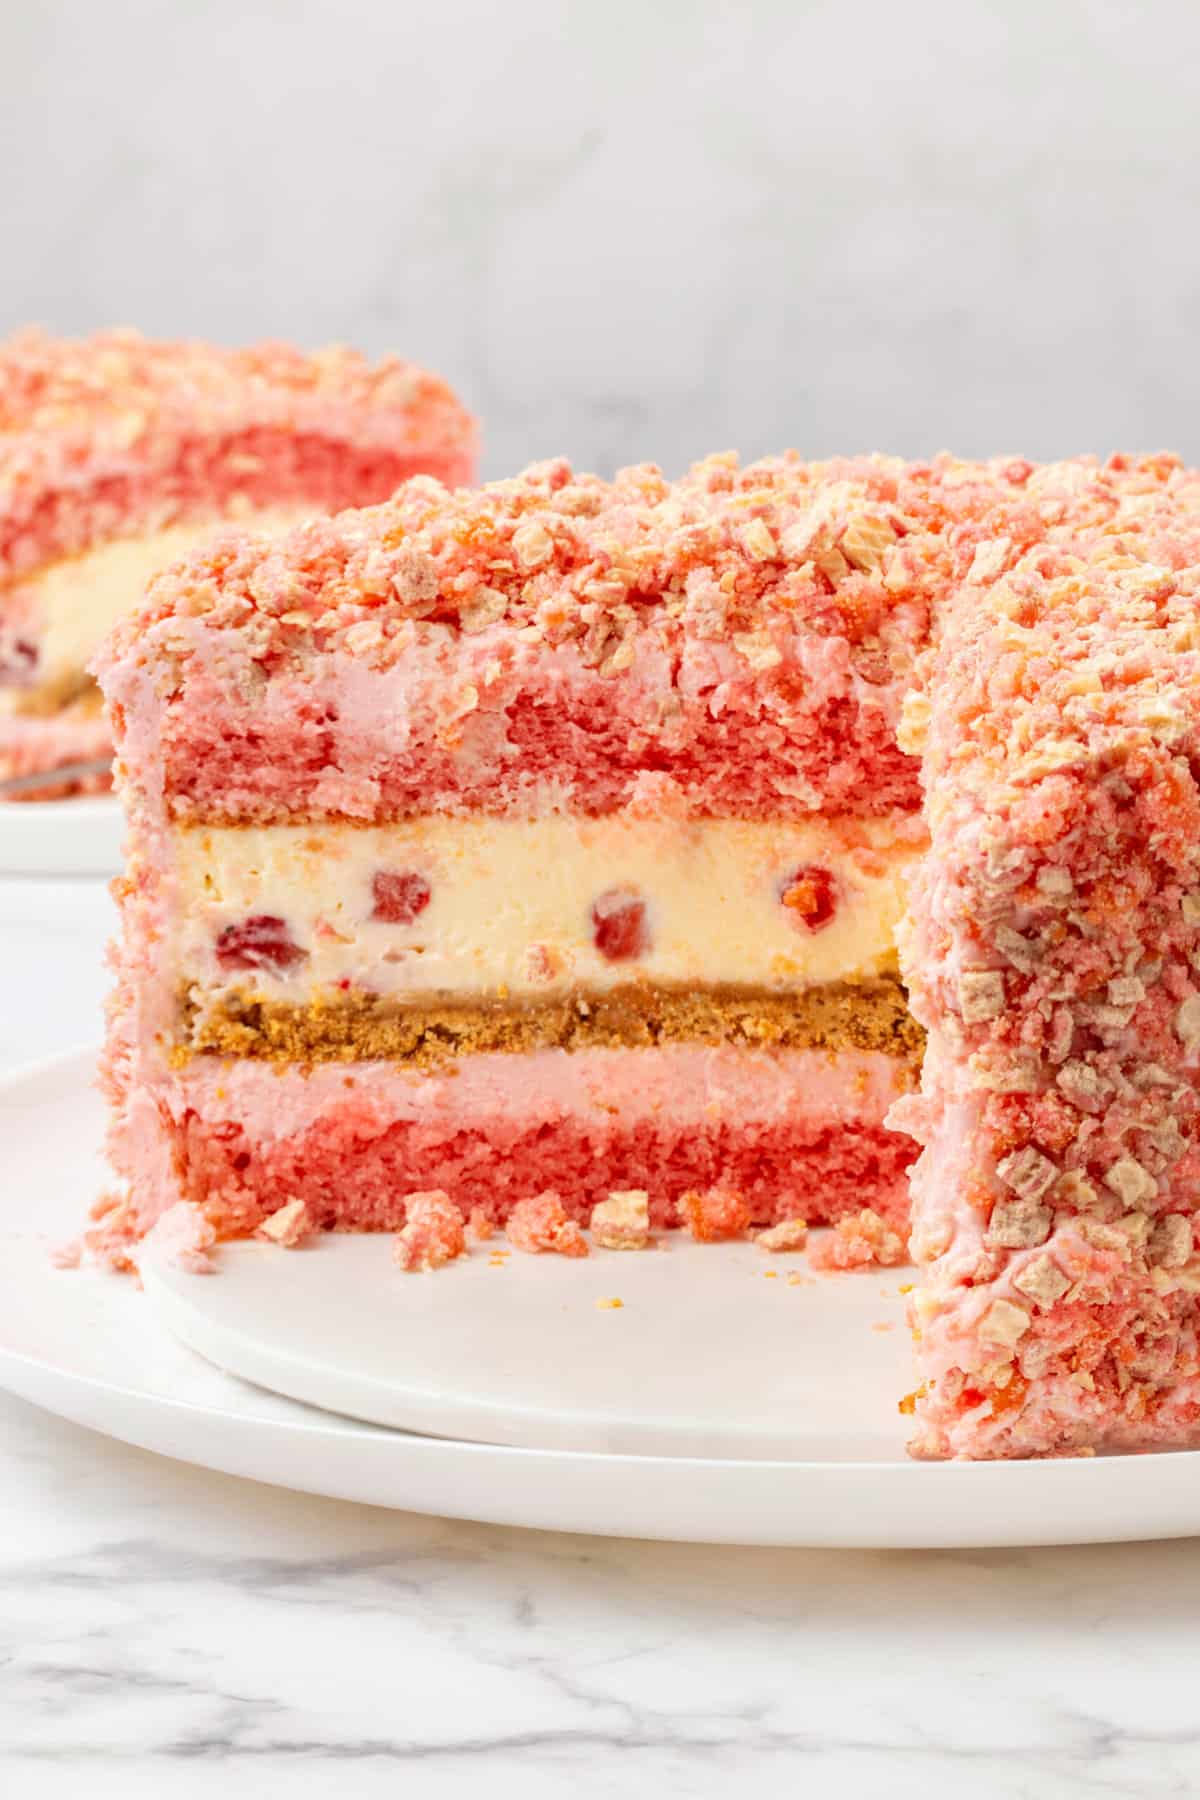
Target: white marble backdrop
640	228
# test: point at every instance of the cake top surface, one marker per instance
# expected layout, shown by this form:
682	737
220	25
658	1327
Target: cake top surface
858	549
117	392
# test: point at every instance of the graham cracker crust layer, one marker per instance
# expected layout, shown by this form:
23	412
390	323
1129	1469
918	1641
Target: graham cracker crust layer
362	1028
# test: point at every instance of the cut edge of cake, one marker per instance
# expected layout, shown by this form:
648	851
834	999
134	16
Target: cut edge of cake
498	841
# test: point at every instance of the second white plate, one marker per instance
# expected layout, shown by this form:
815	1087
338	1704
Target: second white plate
88	1346
61	837
715	1350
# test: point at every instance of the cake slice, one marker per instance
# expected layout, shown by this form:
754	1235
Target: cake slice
118	455
1054	958
549	837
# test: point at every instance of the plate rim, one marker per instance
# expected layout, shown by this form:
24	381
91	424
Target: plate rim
1035	1482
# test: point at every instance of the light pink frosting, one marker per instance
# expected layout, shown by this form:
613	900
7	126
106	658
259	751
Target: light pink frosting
688	1080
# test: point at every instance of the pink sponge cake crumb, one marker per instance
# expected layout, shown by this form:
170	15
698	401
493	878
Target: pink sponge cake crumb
541	1224
433	1233
719	1213
557	838
119	454
858	1241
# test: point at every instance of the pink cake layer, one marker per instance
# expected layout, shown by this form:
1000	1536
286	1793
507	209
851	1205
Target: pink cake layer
99	435
794	1131
1054	958
501	726
735	643
741	640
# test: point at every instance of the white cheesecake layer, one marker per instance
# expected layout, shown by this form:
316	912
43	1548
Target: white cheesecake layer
512	904
74	603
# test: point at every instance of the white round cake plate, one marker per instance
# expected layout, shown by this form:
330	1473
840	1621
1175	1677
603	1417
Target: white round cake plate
80	836
94	1349
711	1352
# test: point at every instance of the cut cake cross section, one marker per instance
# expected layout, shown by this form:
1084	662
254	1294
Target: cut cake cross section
545	837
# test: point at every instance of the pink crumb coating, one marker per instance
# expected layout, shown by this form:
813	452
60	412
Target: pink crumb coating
861	1240
433	1232
1054	958
541	1225
715	1214
101	434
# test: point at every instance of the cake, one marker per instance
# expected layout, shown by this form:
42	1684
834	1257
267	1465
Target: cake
118	455
502	857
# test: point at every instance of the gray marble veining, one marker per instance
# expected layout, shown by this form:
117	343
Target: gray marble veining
160	1622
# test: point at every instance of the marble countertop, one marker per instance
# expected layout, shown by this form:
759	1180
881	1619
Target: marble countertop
168	1630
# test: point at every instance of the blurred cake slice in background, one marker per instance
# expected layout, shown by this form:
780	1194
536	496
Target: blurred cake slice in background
119	454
